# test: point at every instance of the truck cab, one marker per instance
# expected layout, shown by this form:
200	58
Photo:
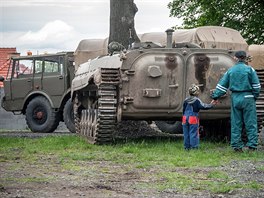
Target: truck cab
38	86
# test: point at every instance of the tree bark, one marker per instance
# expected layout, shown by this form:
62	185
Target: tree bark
122	29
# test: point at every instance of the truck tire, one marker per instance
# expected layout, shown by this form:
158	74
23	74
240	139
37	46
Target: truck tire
172	127
40	117
68	116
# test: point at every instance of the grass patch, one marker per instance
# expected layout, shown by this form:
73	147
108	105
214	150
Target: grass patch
164	163
261	168
189	181
217	175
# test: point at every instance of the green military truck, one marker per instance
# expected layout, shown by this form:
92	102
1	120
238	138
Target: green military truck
38	86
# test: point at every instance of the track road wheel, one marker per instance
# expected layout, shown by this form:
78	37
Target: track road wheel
40	117
98	123
68	116
77	114
88	125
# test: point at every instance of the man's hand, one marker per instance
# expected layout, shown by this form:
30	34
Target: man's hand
212	92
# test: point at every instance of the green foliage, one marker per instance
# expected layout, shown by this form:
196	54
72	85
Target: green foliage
244	16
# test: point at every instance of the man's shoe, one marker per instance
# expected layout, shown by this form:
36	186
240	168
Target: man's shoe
239	150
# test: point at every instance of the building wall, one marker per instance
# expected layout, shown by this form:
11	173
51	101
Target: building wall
5	54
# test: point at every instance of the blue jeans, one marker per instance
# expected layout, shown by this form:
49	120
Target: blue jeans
190	127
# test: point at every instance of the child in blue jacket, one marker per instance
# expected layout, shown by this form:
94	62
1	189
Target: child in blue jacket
190	120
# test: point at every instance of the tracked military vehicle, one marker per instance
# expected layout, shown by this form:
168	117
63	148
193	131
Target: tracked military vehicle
256	60
147	82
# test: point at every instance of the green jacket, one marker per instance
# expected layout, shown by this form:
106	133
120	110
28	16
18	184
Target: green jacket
239	78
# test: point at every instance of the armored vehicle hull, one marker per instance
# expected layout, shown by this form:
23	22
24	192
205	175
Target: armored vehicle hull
145	84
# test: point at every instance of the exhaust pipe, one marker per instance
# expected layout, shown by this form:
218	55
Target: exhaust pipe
169	37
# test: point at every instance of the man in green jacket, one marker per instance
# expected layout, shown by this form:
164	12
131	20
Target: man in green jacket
244	84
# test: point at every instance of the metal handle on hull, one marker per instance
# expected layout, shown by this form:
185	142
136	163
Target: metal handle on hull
174	86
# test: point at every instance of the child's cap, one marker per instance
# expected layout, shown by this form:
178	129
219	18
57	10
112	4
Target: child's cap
194	90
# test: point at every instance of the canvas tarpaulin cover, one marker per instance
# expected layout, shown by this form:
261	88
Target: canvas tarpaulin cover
257	53
206	37
89	49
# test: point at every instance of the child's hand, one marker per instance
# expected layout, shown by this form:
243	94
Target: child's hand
214	102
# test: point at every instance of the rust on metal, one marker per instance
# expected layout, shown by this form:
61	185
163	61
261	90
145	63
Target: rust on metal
171	61
201	64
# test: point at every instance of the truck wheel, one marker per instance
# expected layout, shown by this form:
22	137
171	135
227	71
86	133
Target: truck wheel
172	127
40	117
68	116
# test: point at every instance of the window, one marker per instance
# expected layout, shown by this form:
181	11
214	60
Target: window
9	72
38	66
23	67
52	65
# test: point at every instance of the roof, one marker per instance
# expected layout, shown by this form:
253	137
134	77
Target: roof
5	54
42	55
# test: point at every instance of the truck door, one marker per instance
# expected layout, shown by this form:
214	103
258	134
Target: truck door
7	82
53	81
38	72
22	79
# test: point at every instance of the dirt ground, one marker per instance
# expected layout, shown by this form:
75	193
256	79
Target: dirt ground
25	180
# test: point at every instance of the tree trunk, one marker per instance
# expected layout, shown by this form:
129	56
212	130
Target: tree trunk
122	29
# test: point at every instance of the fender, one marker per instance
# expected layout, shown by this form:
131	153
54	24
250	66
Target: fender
33	95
